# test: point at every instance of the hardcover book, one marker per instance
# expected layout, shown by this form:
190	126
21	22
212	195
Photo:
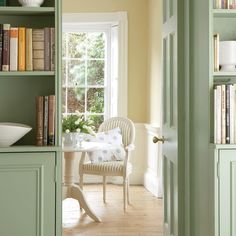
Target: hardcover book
45	122
52	47
47	50
6	47
1	45
39	120
21	49
14	49
38	49
29	50
51	120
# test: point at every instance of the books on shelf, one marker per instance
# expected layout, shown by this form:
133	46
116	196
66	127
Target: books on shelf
26	49
225	4
225	114
45	120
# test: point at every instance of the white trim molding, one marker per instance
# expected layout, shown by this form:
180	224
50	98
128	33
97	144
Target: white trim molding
153	171
114	18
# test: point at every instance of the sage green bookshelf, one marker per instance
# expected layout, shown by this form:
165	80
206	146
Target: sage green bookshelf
222	156
30	176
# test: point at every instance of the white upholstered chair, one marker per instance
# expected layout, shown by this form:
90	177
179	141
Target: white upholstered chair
113	168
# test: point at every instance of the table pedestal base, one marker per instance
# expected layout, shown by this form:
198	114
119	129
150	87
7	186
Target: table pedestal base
74	191
70	190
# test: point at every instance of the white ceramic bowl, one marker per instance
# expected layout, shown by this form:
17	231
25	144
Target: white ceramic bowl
227	55
31	3
11	133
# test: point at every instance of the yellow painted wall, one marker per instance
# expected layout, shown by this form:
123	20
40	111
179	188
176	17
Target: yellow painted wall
138	47
154	61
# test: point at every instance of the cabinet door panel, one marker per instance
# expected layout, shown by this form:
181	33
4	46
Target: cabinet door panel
227	193
27	198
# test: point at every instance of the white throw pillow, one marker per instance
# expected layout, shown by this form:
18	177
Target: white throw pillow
114	153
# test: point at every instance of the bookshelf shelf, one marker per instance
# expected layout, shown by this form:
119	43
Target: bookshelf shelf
224	13
27	11
224	74
26	73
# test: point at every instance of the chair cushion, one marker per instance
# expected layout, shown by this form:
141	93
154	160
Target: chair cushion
115	168
112	137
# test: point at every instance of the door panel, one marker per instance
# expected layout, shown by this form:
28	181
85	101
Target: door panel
227	191
27	199
172	66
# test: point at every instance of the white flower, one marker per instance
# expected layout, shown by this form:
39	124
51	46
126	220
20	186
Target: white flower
67	131
77	122
78	130
85	127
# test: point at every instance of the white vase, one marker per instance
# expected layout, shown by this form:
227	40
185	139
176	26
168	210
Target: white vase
70	139
227	55
31	3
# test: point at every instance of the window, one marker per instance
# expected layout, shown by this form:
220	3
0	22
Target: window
91	78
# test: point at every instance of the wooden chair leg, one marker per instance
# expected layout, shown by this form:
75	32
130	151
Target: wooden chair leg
124	192
81	181
104	189
128	191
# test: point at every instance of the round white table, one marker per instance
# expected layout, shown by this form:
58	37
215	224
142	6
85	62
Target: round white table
70	189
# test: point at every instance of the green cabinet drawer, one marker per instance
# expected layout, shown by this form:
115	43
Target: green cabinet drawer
27	194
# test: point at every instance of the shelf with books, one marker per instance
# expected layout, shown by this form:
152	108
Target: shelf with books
26	73
224	74
17	11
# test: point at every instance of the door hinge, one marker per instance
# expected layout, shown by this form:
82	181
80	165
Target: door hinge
55	173
218	170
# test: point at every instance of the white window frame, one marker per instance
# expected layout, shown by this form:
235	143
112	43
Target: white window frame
116	18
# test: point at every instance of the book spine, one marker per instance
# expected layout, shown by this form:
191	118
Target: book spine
215	115
227	113
52	47
45	122
47	50
29	50
232	112
6	47
39	120
223	114
218	115
38	49
51	120
21	52
1	45
14	49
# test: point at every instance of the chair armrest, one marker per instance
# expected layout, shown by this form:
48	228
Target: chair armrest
129	148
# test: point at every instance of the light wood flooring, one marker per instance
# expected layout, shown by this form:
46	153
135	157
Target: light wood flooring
142	218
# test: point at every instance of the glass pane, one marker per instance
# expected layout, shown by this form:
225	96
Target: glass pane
76	100
63	100
63	44
97	120
95	100
63	72
96	45
76	73
76	45
96	72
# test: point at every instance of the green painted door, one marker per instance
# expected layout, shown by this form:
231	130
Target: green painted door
27	194
172	119
227	193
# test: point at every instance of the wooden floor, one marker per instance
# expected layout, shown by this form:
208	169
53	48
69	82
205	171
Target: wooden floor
143	217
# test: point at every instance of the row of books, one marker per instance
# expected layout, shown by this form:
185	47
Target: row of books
26	49
225	4
216	45
225	114
45	120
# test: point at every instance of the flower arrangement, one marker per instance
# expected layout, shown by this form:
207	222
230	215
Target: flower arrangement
77	123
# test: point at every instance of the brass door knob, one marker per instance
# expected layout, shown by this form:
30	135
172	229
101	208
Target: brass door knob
156	139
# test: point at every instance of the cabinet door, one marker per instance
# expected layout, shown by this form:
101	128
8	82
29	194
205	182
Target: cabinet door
27	194
227	193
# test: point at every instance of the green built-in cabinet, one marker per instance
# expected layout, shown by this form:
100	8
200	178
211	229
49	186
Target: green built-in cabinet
222	157
30	176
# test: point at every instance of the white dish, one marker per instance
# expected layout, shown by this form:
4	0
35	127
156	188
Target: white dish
12	132
31	3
